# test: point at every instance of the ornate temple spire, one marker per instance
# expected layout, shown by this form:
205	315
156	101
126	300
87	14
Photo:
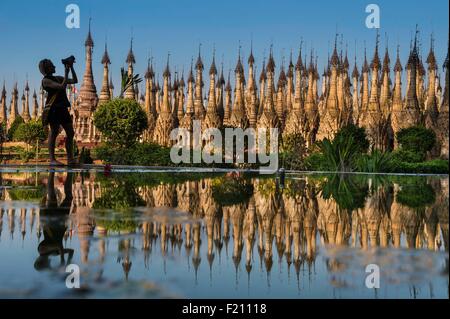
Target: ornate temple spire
397	100
228	102
3	111
14	111
332	98
34	114
212	118
374	102
190	98
262	84
431	101
443	118
355	96
130	91
280	105
26	103
186	122
88	90
111	87
198	97
365	83
431	105
165	122
411	95
149	102
87	99
252	95
385	86
238	117
219	93
268	118
105	93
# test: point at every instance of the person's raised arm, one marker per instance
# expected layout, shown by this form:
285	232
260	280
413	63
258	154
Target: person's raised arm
74	79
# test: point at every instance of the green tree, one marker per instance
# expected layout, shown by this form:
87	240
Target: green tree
293	152
13	127
357	133
416	139
121	121
30	132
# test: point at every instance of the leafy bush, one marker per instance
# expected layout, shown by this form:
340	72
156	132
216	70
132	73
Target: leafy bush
316	162
436	166
30	132
375	162
293	152
408	156
13	127
416	139
339	154
26	155
121	121
143	154
358	134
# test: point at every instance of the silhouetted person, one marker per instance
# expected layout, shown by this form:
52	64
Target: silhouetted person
53	220
59	114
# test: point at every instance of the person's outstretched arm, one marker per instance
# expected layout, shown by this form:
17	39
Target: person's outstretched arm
74	79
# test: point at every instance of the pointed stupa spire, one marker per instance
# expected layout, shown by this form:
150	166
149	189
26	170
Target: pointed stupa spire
239	68
251	58
89	42
375	65
3	89
413	59
365	67
130	56
166	73
386	59
149	74
334	57
213	69
290	72
398	64
105	58
228	86
199	64
299	64
355	73
221	81
431	59
191	73
271	63
263	76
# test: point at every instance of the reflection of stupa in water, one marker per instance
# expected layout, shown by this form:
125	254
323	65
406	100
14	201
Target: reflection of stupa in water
272	224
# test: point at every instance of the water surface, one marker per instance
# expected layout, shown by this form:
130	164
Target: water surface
222	235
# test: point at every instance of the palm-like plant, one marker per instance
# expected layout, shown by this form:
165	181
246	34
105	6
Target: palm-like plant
339	154
127	81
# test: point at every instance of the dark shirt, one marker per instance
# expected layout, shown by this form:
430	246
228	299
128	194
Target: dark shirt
61	99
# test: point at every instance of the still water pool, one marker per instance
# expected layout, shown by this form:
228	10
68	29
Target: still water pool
222	235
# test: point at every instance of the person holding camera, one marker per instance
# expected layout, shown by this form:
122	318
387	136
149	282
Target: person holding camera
56	111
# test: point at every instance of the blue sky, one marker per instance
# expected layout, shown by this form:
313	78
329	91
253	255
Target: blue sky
32	30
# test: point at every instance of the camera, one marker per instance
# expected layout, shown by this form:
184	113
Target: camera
68	61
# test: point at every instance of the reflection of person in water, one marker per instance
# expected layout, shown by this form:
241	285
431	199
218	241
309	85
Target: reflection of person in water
53	220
